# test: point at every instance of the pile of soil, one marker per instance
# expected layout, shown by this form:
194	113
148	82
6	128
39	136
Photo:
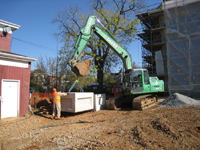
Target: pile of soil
154	128
44	102
178	100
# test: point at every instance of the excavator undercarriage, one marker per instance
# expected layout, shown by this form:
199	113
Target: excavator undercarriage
139	103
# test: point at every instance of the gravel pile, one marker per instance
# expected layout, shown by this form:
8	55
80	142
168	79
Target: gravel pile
178	100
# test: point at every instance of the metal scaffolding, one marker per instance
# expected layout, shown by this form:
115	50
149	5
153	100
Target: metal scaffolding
170	45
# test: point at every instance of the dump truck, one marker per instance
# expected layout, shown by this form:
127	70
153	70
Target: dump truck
137	87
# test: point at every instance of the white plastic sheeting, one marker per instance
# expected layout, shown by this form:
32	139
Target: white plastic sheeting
182	18
159	63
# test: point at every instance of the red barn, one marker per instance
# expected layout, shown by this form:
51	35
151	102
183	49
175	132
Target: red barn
14	76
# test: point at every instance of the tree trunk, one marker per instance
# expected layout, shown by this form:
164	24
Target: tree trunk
100	77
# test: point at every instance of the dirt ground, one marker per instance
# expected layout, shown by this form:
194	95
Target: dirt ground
153	128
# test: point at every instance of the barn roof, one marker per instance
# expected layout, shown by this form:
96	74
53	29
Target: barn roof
14	56
4	24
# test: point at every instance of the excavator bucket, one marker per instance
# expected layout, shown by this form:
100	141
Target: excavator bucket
82	69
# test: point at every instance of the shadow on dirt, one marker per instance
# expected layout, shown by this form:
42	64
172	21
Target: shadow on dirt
126	107
198	127
45	109
67	114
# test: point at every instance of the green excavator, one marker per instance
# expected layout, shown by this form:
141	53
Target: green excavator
137	87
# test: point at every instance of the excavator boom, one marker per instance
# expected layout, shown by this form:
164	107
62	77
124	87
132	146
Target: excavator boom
82	68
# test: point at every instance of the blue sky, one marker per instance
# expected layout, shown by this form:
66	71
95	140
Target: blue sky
35	16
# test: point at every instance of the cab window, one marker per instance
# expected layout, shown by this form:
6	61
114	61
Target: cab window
136	76
146	77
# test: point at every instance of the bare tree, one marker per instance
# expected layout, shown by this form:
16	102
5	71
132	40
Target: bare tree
119	19
46	68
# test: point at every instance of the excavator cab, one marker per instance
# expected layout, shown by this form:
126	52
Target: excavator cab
133	81
138	81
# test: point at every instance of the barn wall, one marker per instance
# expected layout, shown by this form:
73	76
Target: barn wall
22	74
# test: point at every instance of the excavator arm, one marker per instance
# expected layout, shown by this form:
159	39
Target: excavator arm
82	68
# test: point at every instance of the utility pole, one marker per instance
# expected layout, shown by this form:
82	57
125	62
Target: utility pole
57	64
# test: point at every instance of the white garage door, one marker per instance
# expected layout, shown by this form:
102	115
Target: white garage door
9	98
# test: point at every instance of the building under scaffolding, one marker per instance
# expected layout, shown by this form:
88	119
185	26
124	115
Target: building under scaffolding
171	45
